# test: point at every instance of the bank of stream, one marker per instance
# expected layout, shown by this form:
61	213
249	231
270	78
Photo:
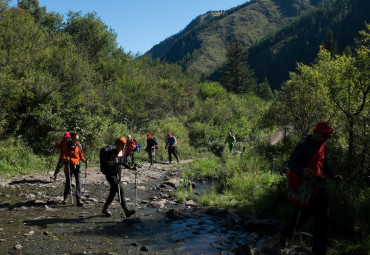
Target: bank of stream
34	221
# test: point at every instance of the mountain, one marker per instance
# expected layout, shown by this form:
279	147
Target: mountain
299	40
202	45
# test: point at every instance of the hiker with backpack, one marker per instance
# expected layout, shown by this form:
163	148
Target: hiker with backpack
73	153
60	146
230	140
171	144
111	162
130	149
307	167
151	147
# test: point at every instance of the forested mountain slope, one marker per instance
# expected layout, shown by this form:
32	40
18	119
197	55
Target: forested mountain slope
202	46
299	41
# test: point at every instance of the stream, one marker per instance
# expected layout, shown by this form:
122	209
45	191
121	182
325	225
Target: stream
34	221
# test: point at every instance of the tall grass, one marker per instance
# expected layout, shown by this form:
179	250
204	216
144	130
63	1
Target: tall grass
17	159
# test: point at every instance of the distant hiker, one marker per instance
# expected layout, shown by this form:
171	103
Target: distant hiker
307	167
130	149
111	162
230	140
59	146
151	147
72	155
171	144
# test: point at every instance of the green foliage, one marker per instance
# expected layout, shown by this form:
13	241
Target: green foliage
237	76
16	158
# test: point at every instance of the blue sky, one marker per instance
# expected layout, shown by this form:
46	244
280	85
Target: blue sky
140	24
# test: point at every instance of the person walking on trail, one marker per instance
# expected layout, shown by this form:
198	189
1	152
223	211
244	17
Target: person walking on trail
171	144
130	149
73	153
111	165
307	166
59	146
230	140
151	147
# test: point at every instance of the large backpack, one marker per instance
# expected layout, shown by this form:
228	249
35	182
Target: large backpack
104	156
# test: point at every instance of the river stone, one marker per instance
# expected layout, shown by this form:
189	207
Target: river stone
175	183
18	247
159	204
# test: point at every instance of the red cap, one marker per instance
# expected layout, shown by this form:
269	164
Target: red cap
169	134
324	127
66	134
148	135
120	140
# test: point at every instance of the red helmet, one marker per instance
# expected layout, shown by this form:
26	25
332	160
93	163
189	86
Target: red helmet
324	127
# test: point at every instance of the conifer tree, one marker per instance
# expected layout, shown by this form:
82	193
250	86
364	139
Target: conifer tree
237	76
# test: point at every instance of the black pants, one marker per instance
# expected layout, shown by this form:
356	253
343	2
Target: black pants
172	150
74	170
150	154
114	184
131	156
59	166
317	207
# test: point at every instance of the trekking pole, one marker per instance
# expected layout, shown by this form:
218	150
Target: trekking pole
85	176
136	186
119	189
299	213
70	181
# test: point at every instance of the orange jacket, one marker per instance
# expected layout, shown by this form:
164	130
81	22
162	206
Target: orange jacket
60	146
74	153
130	146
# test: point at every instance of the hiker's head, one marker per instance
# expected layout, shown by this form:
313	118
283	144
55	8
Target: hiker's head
322	132
230	134
120	143
169	135
75	138
67	136
148	136
129	137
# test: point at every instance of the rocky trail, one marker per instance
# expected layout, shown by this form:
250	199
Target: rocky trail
34	221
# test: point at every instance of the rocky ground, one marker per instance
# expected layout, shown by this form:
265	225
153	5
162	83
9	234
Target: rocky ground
34	221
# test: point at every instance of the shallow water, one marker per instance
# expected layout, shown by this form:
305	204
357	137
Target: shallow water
66	229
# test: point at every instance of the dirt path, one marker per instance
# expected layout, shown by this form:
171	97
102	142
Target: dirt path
34	221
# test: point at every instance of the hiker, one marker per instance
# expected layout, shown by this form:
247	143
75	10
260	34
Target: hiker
111	165
171	143
130	149
307	166
230	140
73	153
59	146
151	147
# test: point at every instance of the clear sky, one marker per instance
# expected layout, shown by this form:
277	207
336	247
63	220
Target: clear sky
141	24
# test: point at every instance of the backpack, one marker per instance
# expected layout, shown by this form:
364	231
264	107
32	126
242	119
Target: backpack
104	156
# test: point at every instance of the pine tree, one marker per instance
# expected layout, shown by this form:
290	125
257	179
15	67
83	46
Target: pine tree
237	76
330	44
263	90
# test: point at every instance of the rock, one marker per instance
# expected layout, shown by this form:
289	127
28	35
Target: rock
175	183
18	247
30	233
191	202
159	204
2	240
174	214
49	209
144	248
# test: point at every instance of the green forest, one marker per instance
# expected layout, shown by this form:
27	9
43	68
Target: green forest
69	74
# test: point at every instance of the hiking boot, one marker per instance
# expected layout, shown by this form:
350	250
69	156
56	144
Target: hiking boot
64	201
128	213
106	212
80	203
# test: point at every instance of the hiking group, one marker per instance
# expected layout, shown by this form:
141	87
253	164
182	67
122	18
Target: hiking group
308	165
112	159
